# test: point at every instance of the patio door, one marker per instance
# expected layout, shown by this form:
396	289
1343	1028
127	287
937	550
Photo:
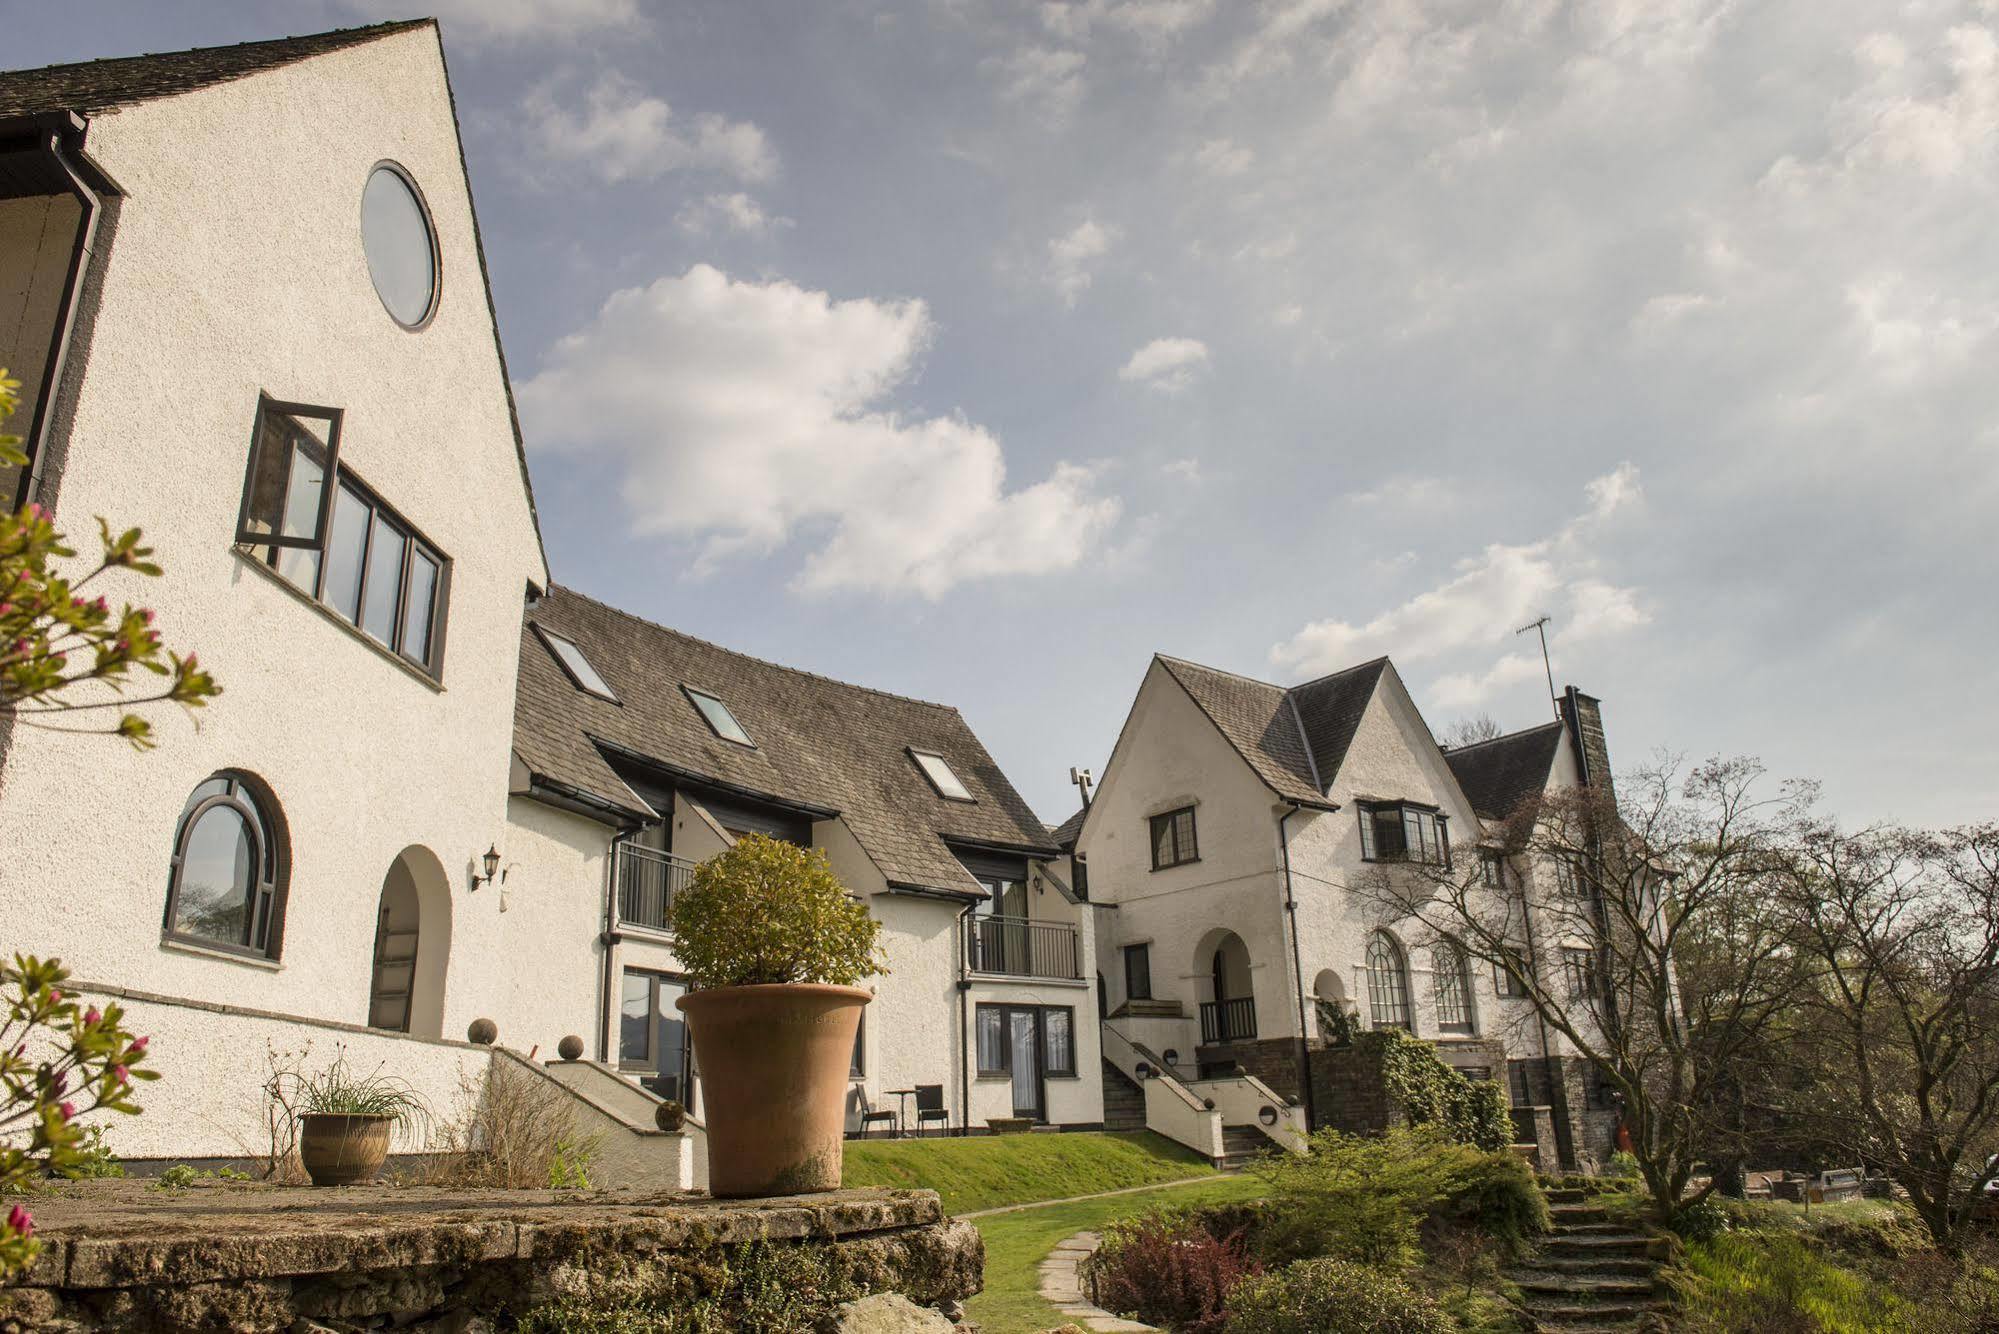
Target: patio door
1024	1039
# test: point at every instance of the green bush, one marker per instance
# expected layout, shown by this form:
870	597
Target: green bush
1431	1093
1167	1268
1703	1220
1763	1282
1333	1297
1366	1199
767	911
1623	1166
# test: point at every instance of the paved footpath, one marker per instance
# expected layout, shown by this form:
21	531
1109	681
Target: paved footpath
1062	1286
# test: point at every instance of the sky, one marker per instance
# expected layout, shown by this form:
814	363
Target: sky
979	350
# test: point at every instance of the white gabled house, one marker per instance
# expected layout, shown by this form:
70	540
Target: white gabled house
1229	846
640	751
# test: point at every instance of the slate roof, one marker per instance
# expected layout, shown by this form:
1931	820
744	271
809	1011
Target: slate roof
1499	774
101	85
819	742
1296	738
1064	835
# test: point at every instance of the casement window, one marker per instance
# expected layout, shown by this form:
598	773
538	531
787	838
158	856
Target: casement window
938	770
1054	1038
1568	874
1173	842
1491	868
1579	970
1388	983
578	668
1453	977
335	540
1138	972
716	714
652	1033
1503	982
1404	833
225	886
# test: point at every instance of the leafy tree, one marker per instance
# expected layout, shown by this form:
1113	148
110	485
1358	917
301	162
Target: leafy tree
768	911
57	643
1902	1020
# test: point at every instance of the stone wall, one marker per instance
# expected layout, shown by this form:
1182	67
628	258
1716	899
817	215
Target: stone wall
1272	1060
120	1255
1349	1093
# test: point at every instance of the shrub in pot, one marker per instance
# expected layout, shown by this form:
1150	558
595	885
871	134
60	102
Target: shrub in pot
772	947
345	1122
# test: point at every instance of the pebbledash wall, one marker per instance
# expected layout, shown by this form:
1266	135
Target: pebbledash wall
236	268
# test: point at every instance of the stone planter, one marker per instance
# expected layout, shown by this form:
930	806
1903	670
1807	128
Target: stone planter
343	1148
774	1062
1010	1125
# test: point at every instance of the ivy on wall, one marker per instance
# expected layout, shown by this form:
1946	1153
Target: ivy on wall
1430	1093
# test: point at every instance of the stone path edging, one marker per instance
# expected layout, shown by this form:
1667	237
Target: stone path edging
1100	1195
1062	1285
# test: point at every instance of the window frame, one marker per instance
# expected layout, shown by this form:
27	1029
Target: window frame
551	640
266	548
649	1064
1377	988
1504	985
1449	963
964	794
1579	973
253	801
1403	814
1004	1010
1143	951
430	231
1181	856
695	694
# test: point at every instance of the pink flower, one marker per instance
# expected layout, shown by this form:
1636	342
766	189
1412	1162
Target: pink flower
68	1110
55	996
139	1045
188	662
20	1221
119	1073
146	615
91	1016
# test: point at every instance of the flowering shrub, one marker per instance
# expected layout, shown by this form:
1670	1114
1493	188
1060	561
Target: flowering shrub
767	911
55	639
1168	1269
58	1062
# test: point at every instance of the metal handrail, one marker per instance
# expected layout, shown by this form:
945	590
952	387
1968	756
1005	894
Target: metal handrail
1022	947
647	881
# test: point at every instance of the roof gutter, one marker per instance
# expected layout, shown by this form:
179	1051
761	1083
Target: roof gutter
695	778
551	792
52	131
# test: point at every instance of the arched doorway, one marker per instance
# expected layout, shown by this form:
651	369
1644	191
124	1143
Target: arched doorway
1335	1015
1229	1012
412	946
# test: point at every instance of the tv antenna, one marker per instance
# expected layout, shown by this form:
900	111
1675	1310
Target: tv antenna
1540	626
1082	779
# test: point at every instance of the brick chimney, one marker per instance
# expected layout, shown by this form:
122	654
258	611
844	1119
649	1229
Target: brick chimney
1584	715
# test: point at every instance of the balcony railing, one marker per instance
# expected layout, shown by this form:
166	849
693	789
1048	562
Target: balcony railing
647	881
1022	947
1229	1020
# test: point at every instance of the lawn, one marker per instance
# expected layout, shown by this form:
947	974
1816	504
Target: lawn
1017	1243
990	1171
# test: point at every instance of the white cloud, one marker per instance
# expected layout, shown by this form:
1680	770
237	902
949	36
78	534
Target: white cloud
1487	599
1155	20
1166	364
1224	157
1071	255
1462	690
622	132
743	415
1186	470
1286	316
1048	80
733	212
510	19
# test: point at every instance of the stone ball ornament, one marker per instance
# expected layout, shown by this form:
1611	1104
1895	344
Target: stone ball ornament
670	1115
482	1031
570	1048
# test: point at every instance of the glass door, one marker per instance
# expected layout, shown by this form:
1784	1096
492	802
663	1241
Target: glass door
1024	1037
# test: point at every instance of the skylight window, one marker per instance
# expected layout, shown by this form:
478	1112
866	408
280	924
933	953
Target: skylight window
718	716
580	671
939	773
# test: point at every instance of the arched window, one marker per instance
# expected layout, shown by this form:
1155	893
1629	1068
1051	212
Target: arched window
225	890
1387	983
1453	989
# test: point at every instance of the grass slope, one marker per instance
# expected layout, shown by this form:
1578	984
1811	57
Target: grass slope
988	1171
1017	1243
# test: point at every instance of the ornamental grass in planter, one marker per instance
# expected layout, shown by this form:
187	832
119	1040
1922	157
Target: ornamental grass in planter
772	946
345	1121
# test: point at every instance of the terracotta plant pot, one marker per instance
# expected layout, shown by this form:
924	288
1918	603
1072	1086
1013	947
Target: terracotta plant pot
343	1148
774	1063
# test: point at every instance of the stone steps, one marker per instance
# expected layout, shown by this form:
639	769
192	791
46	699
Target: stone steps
1591	1275
1124	1101
1242	1145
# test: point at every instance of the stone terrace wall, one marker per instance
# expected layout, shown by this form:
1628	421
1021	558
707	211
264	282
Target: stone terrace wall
124	1256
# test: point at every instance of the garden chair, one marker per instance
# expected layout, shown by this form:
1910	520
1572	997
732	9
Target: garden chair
930	1107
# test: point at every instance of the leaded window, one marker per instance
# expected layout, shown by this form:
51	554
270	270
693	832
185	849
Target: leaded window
1173	842
1387	983
1453	974
1398	832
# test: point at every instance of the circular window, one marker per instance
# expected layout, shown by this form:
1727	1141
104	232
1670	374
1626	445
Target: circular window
402	249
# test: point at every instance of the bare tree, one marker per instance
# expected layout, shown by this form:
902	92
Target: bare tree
1470	731
1904	929
1643	934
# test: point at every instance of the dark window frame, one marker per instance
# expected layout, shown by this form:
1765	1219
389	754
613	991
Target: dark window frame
252	800
1504	985
1005	1010
1398	816
1170	820
1579	973
430	231
1142	952
550	639
267	547
695	694
1383	1005
1450	968
649	1064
